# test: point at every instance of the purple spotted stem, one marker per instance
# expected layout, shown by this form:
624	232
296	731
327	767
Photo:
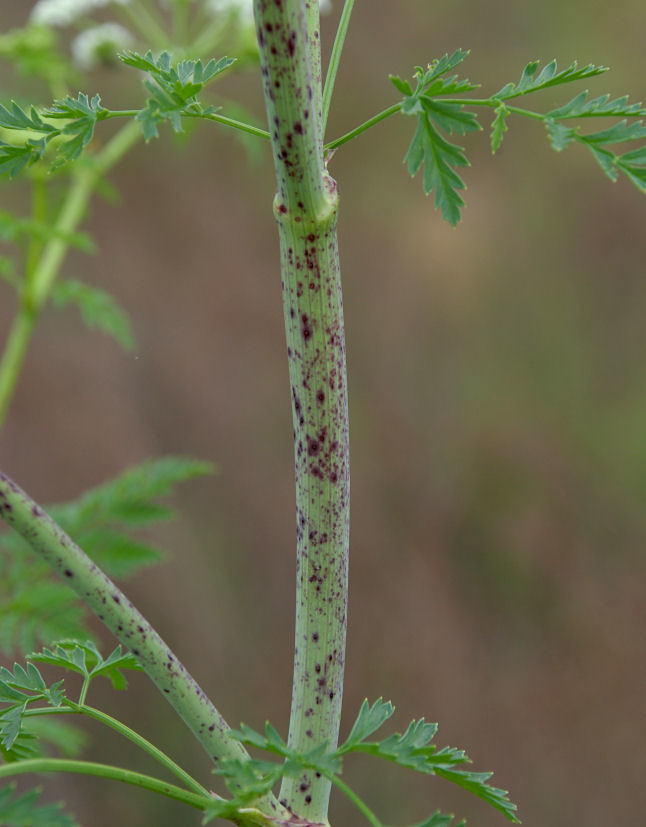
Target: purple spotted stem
305	206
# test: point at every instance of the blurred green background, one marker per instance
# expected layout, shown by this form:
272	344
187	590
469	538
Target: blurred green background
498	424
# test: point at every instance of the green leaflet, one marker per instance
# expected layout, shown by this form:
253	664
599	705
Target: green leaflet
14	229
531	80
632	163
35	606
173	88
411	749
23	811
429	148
80	115
499	127
18	689
438	117
173	92
98	309
85	659
369	720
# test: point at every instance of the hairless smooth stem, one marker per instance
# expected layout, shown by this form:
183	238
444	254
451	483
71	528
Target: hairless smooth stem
305	207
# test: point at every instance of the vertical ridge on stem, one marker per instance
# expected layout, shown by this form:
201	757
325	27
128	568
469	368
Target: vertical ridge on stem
305	207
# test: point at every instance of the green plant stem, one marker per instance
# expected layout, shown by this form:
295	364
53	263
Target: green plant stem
122	729
38	213
84	689
493	103
305	207
353	133
207	116
146	782
358	802
396	107
335	59
41	278
128	625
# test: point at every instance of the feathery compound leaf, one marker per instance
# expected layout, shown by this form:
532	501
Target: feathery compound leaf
413	750
369	720
248	780
14	229
581	107
35	607
631	163
15	117
530	81
10	724
129	499
17	690
559	135
29	682
173	89
85	659
318	758
14	159
97	308
498	127
270	741
23	811
428	148
439	157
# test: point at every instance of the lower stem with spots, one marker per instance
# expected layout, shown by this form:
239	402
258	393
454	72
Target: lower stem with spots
317	368
306	208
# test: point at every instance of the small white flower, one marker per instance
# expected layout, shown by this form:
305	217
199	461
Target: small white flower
64	12
99	41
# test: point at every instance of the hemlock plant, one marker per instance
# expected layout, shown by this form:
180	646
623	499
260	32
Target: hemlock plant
289	779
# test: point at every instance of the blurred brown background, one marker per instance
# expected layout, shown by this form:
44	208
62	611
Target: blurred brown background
498	422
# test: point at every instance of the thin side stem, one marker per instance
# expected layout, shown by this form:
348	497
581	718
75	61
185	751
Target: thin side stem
125	621
380	116
14	354
41	278
358	802
305	207
83	692
210	116
130	734
335	59
137	779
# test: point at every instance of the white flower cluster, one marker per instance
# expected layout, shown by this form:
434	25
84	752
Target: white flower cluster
244	8
64	12
99	41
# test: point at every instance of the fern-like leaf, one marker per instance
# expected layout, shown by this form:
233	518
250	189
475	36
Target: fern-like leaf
85	659
35	607
173	88
98	309
23	811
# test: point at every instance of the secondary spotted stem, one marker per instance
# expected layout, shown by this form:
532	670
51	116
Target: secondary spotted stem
305	207
128	625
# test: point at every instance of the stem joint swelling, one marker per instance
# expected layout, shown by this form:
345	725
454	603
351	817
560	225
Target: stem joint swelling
302	218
